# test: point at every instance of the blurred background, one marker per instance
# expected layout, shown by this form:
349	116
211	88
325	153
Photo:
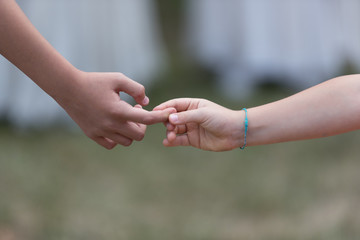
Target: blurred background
57	184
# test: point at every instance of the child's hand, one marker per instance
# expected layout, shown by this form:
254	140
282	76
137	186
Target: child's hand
91	99
203	124
93	102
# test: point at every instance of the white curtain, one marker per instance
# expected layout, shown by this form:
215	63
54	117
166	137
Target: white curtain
94	35
298	42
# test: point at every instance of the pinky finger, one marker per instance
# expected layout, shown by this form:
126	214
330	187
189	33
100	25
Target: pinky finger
106	143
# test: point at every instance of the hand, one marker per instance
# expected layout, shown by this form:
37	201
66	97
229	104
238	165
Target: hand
203	124
93	102
91	99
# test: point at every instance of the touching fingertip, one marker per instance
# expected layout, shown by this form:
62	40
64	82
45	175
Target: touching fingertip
157	108
174	118
173	110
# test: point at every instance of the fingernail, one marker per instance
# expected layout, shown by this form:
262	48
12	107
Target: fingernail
173	118
146	101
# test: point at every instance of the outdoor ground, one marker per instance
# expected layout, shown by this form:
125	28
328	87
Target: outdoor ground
60	185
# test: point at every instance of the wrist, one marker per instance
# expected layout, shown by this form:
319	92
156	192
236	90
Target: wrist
246	126
64	85
238	133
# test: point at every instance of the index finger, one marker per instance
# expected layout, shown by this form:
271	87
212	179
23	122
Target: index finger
180	104
139	115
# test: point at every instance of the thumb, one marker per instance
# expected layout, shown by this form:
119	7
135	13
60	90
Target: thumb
194	116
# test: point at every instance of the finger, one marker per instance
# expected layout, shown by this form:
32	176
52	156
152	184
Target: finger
134	89
106	143
180	140
132	130
170	136
180	104
120	139
181	129
169	126
110	141
195	116
146	117
143	130
142	126
129	129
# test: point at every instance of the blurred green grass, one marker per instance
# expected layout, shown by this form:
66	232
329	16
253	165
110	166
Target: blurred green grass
59	185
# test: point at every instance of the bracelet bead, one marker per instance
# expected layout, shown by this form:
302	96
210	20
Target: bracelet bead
246	123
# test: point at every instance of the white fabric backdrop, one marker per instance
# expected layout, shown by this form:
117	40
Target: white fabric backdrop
94	35
302	42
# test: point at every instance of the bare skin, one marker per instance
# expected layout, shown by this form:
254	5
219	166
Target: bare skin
327	109
91	99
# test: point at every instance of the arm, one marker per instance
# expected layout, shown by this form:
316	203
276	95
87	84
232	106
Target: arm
91	99
327	109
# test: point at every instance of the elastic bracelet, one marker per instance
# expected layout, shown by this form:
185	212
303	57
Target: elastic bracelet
246	123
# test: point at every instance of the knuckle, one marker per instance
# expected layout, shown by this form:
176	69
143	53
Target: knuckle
148	120
109	126
92	134
140	93
140	137
127	143
142	89
120	76
104	128
113	120
114	112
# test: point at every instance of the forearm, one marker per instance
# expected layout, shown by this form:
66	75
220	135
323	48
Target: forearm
24	46
330	108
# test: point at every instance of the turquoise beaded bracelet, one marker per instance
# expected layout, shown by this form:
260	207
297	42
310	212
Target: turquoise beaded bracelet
246	123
